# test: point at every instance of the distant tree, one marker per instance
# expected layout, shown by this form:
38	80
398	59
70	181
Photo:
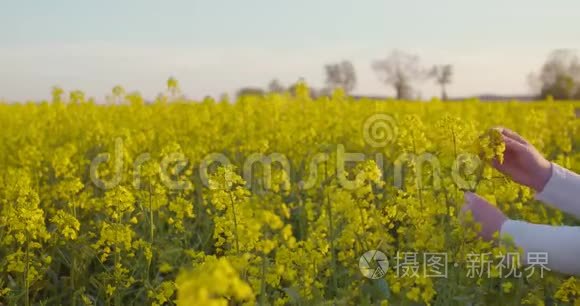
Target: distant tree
559	76
276	86
118	91
399	70
442	75
117	95
341	75
250	91
292	88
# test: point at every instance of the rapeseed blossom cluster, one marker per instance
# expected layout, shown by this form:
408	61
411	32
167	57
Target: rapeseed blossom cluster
491	145
226	286
119	204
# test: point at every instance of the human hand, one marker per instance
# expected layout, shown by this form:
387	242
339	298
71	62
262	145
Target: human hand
522	162
484	213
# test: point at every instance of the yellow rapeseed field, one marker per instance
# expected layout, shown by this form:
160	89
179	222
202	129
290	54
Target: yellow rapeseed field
268	200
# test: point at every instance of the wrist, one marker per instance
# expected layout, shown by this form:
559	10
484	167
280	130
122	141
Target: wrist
542	176
501	226
493	231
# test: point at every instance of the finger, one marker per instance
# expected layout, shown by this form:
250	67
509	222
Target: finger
474	199
467	208
496	164
463	213
469	197
512	150
514	145
513	135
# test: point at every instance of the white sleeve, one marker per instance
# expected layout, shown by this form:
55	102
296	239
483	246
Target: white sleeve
560	243
562	191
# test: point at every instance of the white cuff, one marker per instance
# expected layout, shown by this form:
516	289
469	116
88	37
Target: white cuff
560	243
562	191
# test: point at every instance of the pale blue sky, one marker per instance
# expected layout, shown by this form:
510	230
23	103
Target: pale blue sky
217	46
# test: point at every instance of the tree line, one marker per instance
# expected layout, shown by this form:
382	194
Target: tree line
558	77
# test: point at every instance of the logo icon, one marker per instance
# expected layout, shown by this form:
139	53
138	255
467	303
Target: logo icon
380	130
373	264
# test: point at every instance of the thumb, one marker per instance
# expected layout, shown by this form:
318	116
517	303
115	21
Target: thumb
512	135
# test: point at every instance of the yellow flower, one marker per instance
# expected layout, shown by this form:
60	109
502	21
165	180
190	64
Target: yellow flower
165	268
198	286
506	286
491	145
67	225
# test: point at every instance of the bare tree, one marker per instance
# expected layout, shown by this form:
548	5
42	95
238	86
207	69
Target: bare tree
341	75
442	75
399	70
559	76
276	86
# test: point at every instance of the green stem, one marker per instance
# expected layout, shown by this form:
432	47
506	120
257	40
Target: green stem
117	297
330	230
26	269
263	281
151	225
235	225
151	233
72	279
73	264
